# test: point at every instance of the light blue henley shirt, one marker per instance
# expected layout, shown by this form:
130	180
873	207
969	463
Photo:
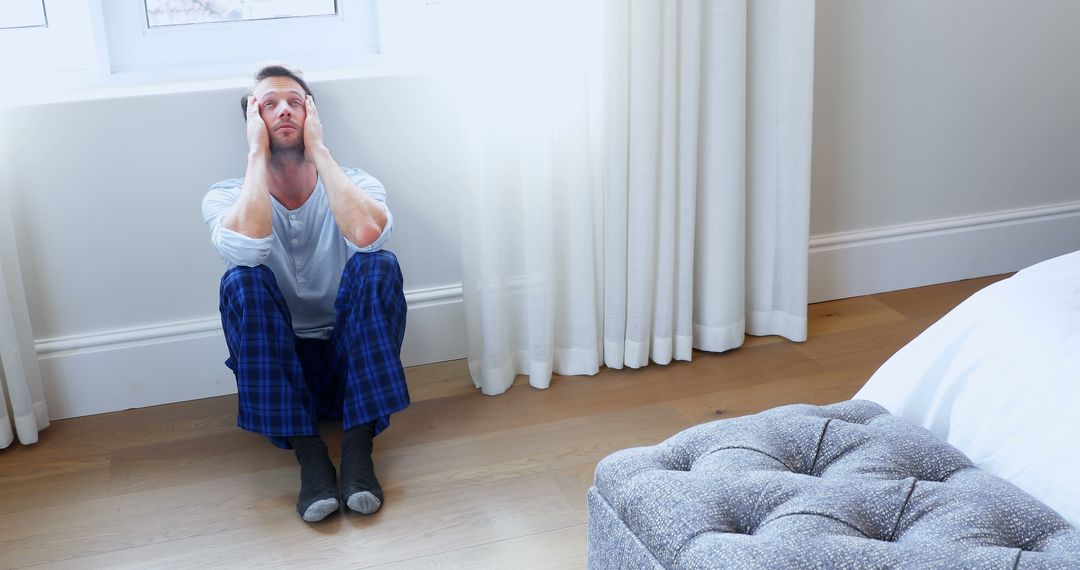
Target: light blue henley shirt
306	251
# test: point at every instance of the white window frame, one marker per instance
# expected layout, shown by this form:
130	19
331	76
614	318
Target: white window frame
349	38
35	3
70	60
65	44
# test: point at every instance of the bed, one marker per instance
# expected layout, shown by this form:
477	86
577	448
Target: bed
999	378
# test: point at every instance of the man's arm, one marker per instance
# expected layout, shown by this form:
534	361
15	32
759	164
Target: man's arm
360	218
251	214
234	247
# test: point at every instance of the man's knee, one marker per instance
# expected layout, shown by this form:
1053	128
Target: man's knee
378	267
241	279
251	291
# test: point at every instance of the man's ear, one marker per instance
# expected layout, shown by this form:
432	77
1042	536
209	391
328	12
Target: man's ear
244	103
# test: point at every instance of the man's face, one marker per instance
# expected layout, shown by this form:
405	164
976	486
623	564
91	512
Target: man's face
282	105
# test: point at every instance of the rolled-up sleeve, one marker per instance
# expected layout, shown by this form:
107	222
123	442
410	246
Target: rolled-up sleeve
239	249
375	189
234	247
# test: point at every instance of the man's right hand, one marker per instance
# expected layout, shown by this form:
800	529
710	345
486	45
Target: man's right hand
258	137
251	214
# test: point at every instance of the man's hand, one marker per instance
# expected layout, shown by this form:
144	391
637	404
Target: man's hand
360	217
313	131
258	138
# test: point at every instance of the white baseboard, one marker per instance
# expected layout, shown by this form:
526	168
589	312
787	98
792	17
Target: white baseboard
898	257
172	362
185	360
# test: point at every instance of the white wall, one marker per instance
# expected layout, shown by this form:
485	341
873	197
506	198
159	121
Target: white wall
120	277
946	145
929	116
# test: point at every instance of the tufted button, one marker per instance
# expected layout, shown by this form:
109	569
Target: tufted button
675	466
951	473
740	529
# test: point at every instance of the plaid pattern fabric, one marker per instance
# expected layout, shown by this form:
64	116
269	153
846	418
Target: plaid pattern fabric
287	384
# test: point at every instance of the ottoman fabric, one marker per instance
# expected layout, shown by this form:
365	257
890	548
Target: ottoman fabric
840	486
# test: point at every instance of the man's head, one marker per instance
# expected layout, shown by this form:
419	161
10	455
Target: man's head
280	92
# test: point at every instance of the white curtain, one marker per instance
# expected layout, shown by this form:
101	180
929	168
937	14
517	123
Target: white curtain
22	398
708	175
638	180
526	78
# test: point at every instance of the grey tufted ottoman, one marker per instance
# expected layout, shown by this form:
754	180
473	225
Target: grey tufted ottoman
840	486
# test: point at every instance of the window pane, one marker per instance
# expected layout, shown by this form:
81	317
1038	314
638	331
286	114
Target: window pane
22	13
176	12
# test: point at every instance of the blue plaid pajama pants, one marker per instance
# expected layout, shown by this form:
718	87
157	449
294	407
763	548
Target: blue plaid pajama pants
286	384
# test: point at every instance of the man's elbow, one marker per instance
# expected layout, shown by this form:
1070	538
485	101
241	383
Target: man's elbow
366	234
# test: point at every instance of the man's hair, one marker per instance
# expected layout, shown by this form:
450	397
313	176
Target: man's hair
275	70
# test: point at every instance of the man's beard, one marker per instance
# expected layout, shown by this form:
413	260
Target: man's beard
285	152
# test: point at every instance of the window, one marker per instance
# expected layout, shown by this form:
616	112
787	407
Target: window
69	45
46	37
225	37
22	14
178	12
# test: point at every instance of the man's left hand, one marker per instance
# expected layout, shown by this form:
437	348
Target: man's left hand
313	130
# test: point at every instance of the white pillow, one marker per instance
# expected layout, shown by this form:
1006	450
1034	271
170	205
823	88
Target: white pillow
999	378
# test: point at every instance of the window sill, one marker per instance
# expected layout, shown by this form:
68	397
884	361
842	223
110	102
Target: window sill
86	85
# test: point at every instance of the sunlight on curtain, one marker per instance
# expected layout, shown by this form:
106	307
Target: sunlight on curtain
638	179
526	83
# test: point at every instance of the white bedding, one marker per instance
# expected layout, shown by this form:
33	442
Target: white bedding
999	378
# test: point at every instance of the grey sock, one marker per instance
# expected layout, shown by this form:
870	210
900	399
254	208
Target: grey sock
364	502
359	485
318	479
319	510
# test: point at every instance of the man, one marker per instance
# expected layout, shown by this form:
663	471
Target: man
312	309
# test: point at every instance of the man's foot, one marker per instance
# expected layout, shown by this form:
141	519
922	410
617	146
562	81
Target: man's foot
317	510
318	481
364	502
359	486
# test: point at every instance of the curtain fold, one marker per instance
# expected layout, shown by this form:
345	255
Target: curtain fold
524	77
781	87
638	181
22	398
708	181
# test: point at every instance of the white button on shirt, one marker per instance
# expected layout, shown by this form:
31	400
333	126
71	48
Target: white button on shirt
307	270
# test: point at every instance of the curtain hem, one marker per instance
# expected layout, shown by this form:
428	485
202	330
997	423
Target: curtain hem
496	379
787	325
719	338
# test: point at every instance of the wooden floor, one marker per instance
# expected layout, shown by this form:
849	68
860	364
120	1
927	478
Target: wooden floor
471	481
